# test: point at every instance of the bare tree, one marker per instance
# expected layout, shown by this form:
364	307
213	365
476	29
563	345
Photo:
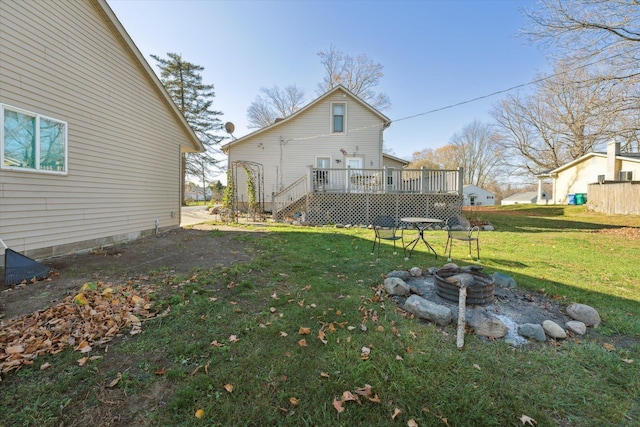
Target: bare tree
590	30
360	75
569	114
600	33
274	103
475	148
477	151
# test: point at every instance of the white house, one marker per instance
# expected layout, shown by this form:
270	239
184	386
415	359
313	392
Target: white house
527	197
574	177
476	196
90	141
336	130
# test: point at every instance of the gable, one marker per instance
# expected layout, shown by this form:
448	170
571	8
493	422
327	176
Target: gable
320	108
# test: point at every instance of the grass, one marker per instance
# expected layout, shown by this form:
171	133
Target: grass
325	279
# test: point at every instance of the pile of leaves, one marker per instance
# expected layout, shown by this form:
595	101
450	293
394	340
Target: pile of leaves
92	317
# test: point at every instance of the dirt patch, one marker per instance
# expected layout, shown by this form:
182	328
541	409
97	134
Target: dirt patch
178	251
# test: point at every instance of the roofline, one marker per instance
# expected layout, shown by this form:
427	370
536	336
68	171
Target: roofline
551	173
385	119
397	159
106	9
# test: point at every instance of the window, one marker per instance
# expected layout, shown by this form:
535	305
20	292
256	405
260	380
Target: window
323	162
625	176
29	141
338	118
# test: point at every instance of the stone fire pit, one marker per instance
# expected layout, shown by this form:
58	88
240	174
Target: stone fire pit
480	286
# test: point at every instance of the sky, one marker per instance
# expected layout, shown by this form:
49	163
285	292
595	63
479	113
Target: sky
435	53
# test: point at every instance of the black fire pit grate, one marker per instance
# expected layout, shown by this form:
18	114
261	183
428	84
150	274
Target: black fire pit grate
479	292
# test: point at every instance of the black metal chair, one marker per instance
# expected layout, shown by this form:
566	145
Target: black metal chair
385	228
459	228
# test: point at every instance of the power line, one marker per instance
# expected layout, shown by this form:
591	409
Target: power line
468	101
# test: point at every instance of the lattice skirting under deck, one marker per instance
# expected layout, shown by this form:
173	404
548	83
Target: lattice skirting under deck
356	208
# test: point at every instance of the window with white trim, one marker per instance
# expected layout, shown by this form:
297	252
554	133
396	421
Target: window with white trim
30	141
338	117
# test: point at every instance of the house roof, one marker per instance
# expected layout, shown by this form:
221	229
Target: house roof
634	157
397	159
111	18
385	119
526	196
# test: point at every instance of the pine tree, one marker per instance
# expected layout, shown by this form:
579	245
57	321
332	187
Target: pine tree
194	99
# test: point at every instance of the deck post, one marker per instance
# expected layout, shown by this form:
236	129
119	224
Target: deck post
310	178
460	180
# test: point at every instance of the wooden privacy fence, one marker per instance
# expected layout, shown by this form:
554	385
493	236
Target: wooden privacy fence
614	197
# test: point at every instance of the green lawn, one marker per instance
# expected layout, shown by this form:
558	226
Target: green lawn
280	340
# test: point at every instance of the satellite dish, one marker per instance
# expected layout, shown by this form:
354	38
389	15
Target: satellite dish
229	127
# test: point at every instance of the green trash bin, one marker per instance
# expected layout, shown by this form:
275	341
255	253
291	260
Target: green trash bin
579	198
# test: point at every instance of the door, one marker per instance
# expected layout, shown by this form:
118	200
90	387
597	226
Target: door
354	172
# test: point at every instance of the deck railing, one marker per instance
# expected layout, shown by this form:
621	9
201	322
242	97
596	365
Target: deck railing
387	180
370	181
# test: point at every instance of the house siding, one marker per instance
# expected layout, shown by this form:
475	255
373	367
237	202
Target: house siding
482	196
66	60
577	178
305	137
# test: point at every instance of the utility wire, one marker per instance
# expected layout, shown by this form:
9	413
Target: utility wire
468	101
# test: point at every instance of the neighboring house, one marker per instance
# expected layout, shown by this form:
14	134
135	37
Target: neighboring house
574	177
337	130
90	141
389	161
476	196
524	198
194	192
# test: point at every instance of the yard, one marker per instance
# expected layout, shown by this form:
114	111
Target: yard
283	325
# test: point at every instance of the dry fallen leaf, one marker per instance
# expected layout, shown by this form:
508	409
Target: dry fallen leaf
294	401
115	381
338	405
609	347
233	338
396	412
304	331
228	387
412	423
475	365
45	366
199	413
348	396
215	343
364	391
283	334
324	375
627	360
527	420
302	343
80	299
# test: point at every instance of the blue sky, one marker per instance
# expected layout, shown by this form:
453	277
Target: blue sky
435	53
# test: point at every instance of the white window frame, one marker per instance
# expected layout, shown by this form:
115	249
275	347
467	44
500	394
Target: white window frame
38	117
344	119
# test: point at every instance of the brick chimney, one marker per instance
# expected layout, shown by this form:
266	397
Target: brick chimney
613	165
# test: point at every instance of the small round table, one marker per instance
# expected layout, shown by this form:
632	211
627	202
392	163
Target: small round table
421	224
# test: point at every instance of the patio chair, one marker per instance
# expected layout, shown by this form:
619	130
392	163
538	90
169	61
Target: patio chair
385	228
459	228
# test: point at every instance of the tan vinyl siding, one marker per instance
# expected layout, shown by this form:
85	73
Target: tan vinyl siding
308	136
66	61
